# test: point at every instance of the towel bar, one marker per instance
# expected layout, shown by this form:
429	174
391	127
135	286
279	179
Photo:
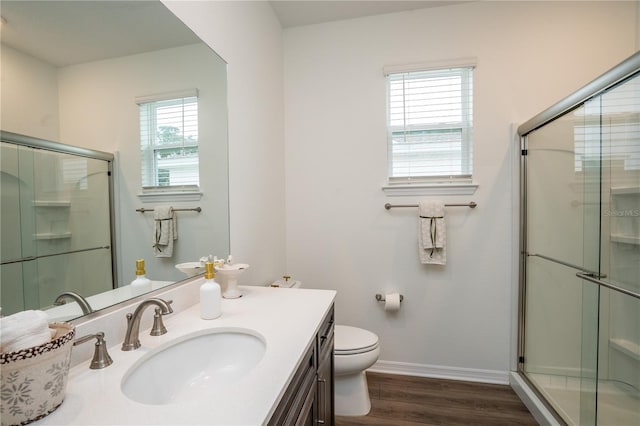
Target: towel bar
195	209
471	205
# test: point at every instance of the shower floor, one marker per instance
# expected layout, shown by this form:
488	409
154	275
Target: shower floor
616	406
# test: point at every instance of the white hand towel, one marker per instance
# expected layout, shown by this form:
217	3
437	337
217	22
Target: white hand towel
432	236
30	328
166	231
28	341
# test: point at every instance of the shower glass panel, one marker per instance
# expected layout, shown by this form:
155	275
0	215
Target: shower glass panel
619	369
56	226
580	331
561	311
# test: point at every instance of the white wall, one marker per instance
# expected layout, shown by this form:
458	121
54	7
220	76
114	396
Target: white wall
456	320
248	37
29	95
637	24
98	111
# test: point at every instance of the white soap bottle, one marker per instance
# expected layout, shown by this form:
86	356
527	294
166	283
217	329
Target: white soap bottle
210	294
141	282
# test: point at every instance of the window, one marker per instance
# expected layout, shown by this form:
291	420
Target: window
429	124
169	141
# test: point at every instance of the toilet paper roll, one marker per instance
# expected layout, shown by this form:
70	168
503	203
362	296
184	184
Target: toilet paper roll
392	302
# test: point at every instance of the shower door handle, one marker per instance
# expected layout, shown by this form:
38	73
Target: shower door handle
589	277
595	275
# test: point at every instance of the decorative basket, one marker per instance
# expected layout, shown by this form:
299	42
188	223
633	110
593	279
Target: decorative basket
34	379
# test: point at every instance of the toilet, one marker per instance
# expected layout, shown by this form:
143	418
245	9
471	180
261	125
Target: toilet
355	350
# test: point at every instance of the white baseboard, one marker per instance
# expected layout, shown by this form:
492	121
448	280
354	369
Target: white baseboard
441	372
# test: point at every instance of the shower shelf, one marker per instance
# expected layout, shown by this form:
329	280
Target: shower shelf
623	190
51	236
627	347
625	239
41	203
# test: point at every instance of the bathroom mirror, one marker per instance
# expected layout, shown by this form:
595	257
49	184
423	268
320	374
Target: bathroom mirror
71	73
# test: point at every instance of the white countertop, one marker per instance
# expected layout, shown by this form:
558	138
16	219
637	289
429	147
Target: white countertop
288	319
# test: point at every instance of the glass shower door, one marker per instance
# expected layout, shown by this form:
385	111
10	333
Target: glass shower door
581	346
618	400
72	225
56	226
561	312
579	334
19	279
587	154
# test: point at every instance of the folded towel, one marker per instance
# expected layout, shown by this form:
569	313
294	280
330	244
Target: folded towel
28	341
166	231
432	235
23	330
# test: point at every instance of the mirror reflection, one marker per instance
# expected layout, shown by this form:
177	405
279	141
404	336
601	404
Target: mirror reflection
73	225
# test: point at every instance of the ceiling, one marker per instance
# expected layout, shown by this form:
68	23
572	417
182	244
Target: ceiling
64	33
293	13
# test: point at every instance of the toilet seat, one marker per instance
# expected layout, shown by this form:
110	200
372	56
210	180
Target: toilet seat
353	340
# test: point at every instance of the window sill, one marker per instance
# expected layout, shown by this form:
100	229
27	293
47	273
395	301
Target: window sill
395	190
166	196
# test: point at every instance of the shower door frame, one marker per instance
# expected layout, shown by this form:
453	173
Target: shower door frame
43	144
619	73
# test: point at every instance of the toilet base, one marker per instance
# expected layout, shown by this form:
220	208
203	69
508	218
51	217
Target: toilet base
352	395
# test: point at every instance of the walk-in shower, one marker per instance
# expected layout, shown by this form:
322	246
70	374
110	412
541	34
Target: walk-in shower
57	222
579	334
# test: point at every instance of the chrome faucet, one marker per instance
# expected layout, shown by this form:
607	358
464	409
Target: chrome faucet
131	338
81	301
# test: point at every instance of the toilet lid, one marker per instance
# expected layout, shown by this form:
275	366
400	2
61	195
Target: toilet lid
352	340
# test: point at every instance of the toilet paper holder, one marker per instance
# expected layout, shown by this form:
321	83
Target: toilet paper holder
380	297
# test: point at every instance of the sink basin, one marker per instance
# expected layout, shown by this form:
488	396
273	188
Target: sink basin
191	269
185	369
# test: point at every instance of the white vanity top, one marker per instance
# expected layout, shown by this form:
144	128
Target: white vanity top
288	319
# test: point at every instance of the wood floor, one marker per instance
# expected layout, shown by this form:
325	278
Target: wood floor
408	401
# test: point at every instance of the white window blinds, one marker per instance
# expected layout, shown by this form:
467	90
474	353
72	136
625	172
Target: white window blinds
169	140
429	122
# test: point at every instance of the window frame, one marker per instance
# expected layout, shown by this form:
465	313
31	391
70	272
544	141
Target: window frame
148	162
433	184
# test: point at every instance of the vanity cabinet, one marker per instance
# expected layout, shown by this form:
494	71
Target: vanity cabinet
308	399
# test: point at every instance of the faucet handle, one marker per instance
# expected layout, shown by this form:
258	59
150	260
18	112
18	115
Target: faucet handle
101	358
158	328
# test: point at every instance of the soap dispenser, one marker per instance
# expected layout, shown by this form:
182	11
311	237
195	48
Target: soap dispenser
141	282
210	294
